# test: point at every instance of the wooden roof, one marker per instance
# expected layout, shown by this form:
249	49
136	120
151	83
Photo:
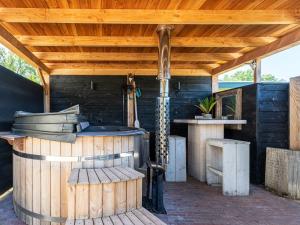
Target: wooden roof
105	37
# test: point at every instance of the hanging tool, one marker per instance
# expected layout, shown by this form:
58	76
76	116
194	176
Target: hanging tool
136	121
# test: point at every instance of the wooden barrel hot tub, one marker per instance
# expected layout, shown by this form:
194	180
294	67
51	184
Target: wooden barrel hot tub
41	168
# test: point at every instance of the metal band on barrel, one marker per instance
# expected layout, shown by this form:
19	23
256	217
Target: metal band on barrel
51	158
19	209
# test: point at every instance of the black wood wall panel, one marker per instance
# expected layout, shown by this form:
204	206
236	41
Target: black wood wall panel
103	105
265	107
16	93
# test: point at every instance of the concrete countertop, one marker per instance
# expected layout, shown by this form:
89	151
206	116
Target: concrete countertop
209	121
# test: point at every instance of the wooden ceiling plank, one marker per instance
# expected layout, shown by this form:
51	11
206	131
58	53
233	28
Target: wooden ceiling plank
289	40
9	41
120	56
111	71
130	41
148	16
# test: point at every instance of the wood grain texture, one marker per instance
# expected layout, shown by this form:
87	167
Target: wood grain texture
138	16
197	136
282	172
151	41
109	27
294	106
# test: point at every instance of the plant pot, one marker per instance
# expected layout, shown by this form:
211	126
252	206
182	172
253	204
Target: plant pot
207	116
199	117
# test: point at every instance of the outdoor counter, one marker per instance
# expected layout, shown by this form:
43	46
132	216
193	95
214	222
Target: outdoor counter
198	132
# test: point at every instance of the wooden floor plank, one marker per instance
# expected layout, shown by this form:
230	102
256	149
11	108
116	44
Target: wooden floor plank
151	217
116	220
142	217
134	219
107	221
102	176
125	219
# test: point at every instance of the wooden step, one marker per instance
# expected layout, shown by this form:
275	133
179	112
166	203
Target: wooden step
135	217
94	193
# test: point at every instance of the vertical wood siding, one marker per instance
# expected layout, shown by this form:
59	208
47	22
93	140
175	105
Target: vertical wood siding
103	105
265	107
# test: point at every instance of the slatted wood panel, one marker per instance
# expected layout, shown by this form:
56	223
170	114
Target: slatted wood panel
282	172
265	107
41	186
294	97
229	160
122	29
136	217
103	192
197	136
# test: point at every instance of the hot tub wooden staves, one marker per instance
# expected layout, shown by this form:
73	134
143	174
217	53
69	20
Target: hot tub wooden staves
41	169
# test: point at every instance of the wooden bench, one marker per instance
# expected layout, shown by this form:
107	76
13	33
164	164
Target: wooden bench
136	217
176	170
94	193
227	163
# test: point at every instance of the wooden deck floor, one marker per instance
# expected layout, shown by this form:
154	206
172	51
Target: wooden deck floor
196	203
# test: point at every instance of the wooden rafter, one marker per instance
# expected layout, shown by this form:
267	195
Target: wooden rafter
187	69
114	71
112	56
131	41
289	40
9	41
148	16
127	66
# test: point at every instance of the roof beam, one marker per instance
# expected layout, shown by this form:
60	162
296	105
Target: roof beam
127	65
121	56
147	16
130	41
9	41
289	40
136	71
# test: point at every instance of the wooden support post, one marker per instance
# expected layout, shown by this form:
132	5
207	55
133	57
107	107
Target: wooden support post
257	71
294	113
214	84
47	93
45	83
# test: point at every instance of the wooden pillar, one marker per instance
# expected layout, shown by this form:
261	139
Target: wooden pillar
47	93
294	95
214	84
46	87
257	70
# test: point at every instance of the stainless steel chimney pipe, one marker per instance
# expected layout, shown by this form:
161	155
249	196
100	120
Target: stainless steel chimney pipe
162	104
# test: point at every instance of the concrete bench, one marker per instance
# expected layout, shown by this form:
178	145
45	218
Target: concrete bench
227	163
176	170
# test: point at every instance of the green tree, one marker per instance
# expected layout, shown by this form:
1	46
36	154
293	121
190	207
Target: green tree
18	65
247	75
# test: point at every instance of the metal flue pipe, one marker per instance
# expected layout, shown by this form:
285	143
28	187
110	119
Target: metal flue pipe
162	104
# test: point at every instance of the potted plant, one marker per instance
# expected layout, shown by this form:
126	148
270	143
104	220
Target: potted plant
206	106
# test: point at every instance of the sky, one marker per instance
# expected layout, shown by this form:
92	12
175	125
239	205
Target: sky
284	64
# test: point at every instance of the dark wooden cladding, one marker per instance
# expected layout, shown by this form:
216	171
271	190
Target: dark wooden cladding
16	93
103	105
265	107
